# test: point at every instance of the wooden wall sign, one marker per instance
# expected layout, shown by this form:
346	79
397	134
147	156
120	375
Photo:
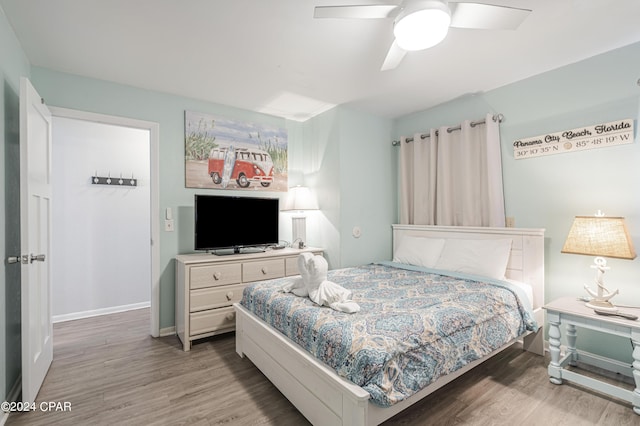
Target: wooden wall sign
598	136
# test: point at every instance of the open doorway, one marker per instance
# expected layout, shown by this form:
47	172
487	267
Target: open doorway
105	234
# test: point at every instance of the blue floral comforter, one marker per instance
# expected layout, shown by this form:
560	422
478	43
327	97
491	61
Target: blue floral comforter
414	324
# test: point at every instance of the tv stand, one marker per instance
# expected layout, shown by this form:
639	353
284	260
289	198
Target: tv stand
237	250
208	286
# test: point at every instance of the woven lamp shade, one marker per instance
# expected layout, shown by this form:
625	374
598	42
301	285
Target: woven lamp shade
599	236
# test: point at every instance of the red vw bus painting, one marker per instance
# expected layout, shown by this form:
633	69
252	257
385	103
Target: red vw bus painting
242	165
221	153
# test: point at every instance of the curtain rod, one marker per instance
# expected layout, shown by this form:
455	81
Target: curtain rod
496	117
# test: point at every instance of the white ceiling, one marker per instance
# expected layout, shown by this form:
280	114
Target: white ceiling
272	56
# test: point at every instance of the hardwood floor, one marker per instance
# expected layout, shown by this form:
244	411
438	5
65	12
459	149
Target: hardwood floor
112	372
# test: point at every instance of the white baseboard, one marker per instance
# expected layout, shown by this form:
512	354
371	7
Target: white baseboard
13	395
97	312
167	331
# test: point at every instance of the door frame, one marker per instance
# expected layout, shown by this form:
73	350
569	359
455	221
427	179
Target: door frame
154	162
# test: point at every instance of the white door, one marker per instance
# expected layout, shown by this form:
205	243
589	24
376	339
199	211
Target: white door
35	234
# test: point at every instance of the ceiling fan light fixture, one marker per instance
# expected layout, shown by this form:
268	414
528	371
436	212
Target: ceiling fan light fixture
422	24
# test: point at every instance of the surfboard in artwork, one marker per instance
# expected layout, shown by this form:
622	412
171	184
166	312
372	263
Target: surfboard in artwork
229	163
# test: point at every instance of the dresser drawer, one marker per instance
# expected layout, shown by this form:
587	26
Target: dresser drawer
215	297
291	266
215	319
214	275
262	270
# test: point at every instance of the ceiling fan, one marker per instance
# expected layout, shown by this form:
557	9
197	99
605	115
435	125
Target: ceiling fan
420	24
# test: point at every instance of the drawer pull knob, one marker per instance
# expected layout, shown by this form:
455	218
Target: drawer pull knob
230	316
217	275
230	295
264	270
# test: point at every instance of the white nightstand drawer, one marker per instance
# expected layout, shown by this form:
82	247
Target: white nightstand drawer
217	319
215	297
214	275
262	270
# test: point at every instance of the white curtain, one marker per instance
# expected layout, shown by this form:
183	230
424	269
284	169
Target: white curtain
453	177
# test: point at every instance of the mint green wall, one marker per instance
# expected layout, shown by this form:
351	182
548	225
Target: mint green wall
547	192
367	187
13	65
349	162
320	168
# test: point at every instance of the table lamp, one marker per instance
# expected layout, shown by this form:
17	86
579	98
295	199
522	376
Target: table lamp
299	199
602	237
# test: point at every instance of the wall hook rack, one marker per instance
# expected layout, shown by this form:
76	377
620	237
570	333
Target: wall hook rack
101	180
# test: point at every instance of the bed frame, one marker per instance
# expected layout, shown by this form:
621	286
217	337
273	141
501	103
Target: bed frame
321	395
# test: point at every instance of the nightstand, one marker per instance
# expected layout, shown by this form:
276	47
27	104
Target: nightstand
573	313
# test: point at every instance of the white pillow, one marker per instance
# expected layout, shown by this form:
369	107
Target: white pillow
419	251
480	257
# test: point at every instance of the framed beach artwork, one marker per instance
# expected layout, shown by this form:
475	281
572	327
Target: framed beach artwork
222	153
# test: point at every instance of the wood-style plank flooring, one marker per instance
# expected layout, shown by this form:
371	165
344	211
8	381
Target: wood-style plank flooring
113	373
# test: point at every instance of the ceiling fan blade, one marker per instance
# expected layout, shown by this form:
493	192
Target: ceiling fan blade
486	16
373	11
394	57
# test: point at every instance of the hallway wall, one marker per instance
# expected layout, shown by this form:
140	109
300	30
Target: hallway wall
101	233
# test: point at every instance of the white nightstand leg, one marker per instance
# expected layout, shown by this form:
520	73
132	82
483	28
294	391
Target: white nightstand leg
555	370
572	334
635	339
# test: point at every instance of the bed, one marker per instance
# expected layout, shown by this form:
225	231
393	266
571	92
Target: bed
326	398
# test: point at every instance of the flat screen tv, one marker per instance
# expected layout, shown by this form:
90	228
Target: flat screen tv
230	222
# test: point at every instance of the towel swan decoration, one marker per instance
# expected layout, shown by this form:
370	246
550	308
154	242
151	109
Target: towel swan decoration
313	283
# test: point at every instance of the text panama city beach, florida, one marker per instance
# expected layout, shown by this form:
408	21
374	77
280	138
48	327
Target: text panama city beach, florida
596	136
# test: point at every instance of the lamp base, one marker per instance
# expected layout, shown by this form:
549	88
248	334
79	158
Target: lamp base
299	231
601	305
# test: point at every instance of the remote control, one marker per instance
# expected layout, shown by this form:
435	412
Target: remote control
617	314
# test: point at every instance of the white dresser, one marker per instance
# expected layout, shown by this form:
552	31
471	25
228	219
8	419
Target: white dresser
208	285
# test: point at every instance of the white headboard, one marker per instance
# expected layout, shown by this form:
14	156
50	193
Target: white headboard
526	262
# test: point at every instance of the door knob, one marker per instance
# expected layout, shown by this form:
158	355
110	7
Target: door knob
18	259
